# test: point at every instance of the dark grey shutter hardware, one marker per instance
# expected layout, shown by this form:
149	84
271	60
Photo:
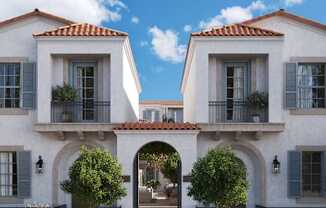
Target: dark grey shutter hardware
294	174
291	86
24	173
29	85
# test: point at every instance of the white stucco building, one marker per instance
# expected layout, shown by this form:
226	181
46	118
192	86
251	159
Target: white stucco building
280	54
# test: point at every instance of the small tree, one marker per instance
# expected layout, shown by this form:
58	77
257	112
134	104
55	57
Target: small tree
219	178
96	178
170	167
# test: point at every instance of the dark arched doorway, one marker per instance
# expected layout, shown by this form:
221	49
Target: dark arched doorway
157	176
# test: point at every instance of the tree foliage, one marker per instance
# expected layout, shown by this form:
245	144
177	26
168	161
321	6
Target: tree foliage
219	178
170	167
96	178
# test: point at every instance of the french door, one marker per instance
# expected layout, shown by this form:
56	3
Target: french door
85	83
236	90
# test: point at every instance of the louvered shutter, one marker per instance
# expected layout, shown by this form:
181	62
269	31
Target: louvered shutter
291	86
294	176
24	159
29	85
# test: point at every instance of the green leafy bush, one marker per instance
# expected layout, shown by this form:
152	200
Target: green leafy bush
170	167
65	93
153	184
219	179
258	100
95	178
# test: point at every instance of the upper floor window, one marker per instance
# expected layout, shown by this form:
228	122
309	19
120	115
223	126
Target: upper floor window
8	174
151	115
311	86
9	85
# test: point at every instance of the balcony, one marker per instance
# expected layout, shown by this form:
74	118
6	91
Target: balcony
236	117
83	118
80	112
235	112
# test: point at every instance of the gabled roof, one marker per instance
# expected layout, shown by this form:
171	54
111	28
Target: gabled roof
35	13
237	30
156	126
283	13
81	30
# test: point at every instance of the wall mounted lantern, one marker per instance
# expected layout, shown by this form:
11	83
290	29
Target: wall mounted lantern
39	165
276	166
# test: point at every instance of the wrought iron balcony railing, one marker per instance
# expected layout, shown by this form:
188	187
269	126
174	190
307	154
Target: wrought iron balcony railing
235	111
80	112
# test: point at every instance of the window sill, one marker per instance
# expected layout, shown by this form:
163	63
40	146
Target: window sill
13	111
11	200
311	200
311	111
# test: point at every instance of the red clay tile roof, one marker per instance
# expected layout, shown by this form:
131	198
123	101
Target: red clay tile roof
34	13
157	126
82	30
238	30
282	13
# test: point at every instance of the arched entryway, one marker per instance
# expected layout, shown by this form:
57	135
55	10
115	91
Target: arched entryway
157	176
62	162
256	173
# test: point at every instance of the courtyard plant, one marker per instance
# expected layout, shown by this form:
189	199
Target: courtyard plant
170	167
95	178
63	98
219	179
257	102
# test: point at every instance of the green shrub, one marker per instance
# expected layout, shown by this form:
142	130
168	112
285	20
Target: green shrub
95	178
257	100
219	179
65	93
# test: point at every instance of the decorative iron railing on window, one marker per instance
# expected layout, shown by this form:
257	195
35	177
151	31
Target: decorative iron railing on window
81	112
235	111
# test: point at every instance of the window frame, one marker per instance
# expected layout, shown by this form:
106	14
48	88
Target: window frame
303	195
14	174
19	87
303	87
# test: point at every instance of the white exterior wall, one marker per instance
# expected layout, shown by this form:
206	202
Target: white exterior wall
204	48
124	94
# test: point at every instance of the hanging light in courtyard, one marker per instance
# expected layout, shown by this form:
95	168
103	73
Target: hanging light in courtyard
276	166
39	165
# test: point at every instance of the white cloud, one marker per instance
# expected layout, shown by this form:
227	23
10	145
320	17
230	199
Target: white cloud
91	11
135	20
232	15
165	45
292	2
187	28
143	43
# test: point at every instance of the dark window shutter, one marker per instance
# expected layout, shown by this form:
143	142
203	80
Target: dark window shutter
24	160
323	174
291	85
294	174
29	85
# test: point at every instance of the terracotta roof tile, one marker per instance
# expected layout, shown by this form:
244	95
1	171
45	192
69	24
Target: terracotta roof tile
81	30
157	126
237	30
282	13
34	13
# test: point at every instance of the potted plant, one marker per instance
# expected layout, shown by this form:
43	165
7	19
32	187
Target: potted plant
219	180
153	185
257	102
95	178
65	95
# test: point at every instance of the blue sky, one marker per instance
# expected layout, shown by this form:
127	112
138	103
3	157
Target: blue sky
159	29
